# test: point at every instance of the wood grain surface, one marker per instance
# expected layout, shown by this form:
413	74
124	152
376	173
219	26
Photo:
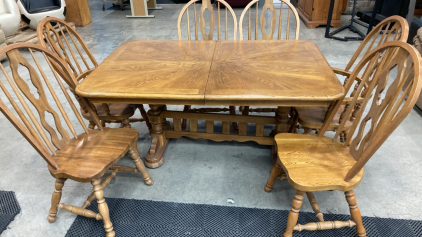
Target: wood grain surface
153	72
279	73
283	73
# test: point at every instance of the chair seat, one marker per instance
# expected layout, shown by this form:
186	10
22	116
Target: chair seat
90	155
313	117
315	163
116	110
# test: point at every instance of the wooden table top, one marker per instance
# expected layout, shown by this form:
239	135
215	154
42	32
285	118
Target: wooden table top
270	72
151	72
283	73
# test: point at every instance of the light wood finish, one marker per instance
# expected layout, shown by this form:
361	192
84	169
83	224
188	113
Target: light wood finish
275	24
207	34
250	73
313	118
315	12
315	206
209	73
390	84
212	31
78	11
139	72
46	124
140	8
399	31
161	72
325	225
69	46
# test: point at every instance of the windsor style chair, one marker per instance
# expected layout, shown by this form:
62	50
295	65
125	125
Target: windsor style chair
208	33
50	121
394	28
390	84
268	31
70	47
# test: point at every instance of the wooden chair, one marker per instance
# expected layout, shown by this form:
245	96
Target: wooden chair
45	123
69	45
207	35
313	118
275	26
390	84
262	21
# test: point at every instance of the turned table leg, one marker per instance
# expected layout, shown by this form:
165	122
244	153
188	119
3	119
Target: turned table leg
154	158
282	117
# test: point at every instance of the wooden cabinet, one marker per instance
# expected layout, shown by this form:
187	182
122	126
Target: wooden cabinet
315	12
78	11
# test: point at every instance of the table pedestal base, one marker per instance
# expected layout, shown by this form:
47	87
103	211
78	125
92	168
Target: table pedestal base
161	130
156	160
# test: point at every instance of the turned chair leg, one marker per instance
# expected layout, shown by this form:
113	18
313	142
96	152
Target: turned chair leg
275	172
294	213
315	206
355	212
55	199
125	123
136	157
145	116
103	208
91	124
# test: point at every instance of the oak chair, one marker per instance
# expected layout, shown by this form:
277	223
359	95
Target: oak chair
207	33
70	47
313	118
390	85
275	26
274	23
50	122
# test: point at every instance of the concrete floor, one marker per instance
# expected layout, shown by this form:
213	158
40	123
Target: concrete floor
200	171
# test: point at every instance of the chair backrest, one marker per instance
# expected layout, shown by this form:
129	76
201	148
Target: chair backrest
67	43
391	28
391	85
200	21
30	81
273	21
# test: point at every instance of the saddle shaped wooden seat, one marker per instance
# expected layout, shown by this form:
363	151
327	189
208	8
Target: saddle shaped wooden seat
45	122
316	163
96	152
390	84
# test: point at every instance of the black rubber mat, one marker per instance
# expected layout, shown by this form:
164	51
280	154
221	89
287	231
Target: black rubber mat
151	218
9	208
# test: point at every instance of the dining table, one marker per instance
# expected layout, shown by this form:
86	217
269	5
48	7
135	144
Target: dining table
272	73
